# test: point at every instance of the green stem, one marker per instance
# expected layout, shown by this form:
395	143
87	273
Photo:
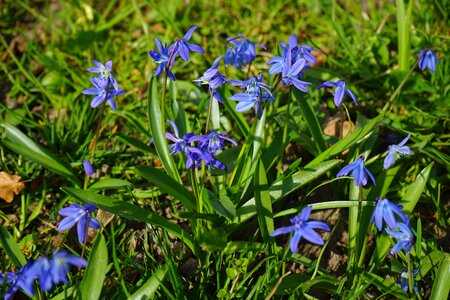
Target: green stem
353	213
410	274
163	101
399	88
285	130
209	113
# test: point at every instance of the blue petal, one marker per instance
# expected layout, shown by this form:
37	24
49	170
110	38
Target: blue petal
389	160
244	105
189	33
312	236
283	230
338	96
81	229
295	240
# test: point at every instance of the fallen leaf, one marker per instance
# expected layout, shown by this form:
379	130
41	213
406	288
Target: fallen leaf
9	185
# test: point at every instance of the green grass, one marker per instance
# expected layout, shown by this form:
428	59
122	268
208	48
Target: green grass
168	239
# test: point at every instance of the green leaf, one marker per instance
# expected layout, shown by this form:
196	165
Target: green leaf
311	120
111	183
441	285
415	189
223	206
387	287
92	283
23	145
348	141
132	212
284	187
169	185
263	202
11	248
429	262
149	288
158	129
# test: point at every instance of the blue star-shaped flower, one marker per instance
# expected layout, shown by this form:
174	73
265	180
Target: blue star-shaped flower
428	59
404	237
359	172
290	73
303	228
104	71
164	58
182	47
80	215
256	93
396	150
214	142
385	210
53	271
213	78
339	91
23	279
243	52
102	91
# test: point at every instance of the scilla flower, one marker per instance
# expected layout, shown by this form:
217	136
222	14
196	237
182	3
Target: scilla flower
386	210
396	150
80	215
88	168
404	237
339	92
428	59
302	228
359	172
104	71
182	47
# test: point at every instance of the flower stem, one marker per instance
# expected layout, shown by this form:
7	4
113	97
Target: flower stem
209	113
410	274
163	101
285	129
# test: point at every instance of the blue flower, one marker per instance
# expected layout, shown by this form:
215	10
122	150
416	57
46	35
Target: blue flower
102	91
184	144
290	73
303	228
359	172
339	91
256	93
80	215
385	210
242	53
23	279
53	271
182	47
164	58
214	142
396	150
88	168
104	71
213	78
428	59
404	237
403	282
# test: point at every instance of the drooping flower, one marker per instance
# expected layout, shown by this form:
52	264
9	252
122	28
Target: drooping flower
102	91
303	228
385	210
242	53
182	47
404	236
257	92
339	92
396	150
359	172
215	141
54	271
403	282
104	71
80	215
290	73
213	78
164	58
428	59
88	168
23	279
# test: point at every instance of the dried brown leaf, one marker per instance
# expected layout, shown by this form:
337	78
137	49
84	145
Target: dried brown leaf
9	185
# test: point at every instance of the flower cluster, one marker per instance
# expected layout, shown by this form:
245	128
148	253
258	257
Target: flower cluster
166	56
242	53
198	148
401	231
81	216
49	273
105	85
303	228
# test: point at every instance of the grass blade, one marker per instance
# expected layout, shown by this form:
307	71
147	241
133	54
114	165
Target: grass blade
11	248
23	145
149	288
169	185
441	285
157	130
263	202
92	283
